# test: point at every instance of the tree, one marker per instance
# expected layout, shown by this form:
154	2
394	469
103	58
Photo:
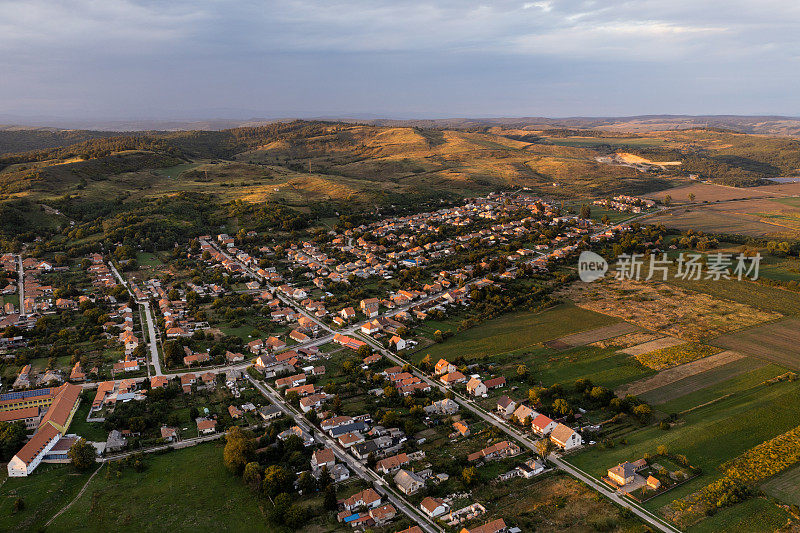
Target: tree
252	476
438	336
277	480
561	406
662	450
643	413
691	197
330	500
586	211
364	351
325	480
306	483
469	476
12	437
667	201
544	447
239	450
522	371
82	455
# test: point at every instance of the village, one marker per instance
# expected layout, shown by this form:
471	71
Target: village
311	339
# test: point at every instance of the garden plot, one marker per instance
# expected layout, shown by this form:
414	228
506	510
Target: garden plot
778	342
626	341
671	310
598	334
651	346
672	375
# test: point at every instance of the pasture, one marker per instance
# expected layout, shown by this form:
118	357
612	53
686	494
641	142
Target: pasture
776	342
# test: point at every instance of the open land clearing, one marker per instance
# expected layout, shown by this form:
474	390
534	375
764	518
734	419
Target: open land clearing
709	192
517	331
626	341
777	342
651	346
668	357
174	488
677	373
688	315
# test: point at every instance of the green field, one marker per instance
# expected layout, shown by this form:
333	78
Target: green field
750	293
755	515
49	489
516	331
785	486
728	387
186	490
708	436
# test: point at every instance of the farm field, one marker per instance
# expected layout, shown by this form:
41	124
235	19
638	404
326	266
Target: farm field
709	192
712	385
763	297
187	490
671	356
756	515
776	342
688	315
708	435
604	367
651	346
754	218
516	331
679	372
785	486
598	334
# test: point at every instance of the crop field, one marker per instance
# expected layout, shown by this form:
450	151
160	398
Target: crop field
756	218
708	378
685	314
709	192
669	376
599	334
785	486
756	515
776	342
753	379
653	345
516	331
187	490
709	435
676	355
626	341
771	299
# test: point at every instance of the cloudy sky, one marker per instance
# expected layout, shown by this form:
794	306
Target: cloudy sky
199	59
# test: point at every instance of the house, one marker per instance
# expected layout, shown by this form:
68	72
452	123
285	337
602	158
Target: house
443	367
530	468
274	343
653	483
443	407
390	464
622	474
495	383
234	411
496	451
542	425
397	343
30	456
312	401
451	378
383	514
323	457
434	507
290	381
347	313
408	482
169	434
206	426
476	387
412	529
157	382
115	441
523	413
370	307
234	357
256	346
269	412
565	438
506	406
495	526
350	439
367	498
461	428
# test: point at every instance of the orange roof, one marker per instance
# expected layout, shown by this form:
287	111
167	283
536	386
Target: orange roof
63	404
37	443
19	414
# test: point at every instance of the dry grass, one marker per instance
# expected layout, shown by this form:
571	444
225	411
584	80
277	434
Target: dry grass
777	342
599	334
626	341
676	355
653	345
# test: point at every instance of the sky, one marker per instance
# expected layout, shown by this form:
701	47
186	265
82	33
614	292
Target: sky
203	59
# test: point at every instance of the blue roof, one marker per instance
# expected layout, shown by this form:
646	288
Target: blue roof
21	395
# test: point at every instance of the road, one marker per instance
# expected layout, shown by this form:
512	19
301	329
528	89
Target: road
151	330
525	441
21	287
400	503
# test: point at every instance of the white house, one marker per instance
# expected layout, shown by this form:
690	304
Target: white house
434	507
476	387
565	438
542	425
